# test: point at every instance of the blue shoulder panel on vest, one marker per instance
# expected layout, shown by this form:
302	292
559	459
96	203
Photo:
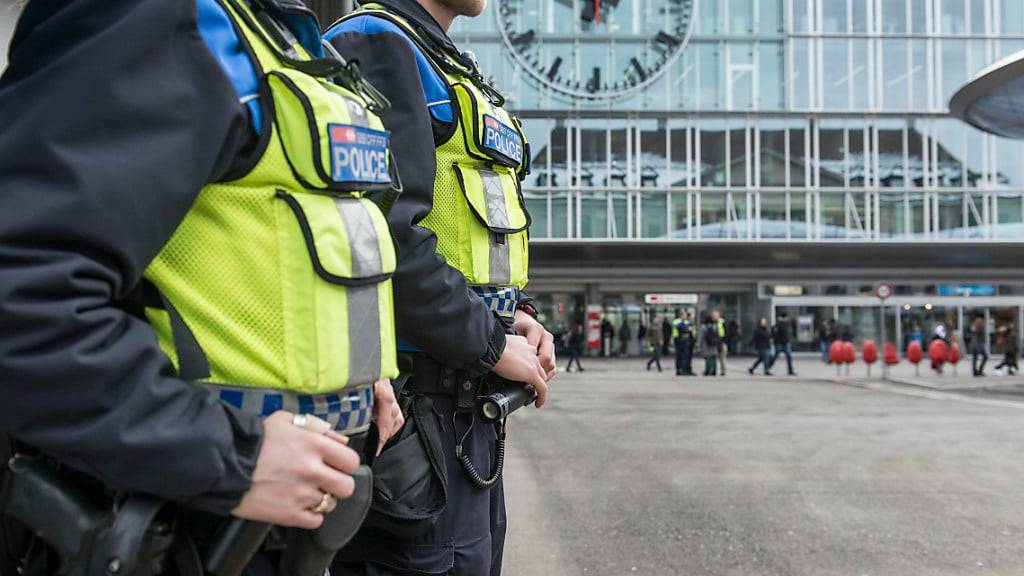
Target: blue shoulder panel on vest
217	31
434	88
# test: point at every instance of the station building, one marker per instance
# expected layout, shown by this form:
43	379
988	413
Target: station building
758	157
763	157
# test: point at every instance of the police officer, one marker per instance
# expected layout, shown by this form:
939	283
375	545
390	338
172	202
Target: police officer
182	269
461	230
682	336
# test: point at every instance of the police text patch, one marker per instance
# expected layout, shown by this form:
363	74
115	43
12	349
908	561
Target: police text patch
358	154
503	139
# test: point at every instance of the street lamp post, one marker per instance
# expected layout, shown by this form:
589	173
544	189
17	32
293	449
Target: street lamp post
883	291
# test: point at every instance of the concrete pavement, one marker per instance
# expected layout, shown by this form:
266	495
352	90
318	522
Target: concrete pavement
635	472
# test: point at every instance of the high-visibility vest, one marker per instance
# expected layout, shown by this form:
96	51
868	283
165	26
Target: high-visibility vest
279	279
479	214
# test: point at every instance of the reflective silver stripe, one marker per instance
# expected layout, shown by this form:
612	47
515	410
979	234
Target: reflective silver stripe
362	237
364	356
499	267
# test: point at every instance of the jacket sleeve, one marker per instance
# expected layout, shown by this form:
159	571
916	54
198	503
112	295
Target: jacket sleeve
435	309
114	115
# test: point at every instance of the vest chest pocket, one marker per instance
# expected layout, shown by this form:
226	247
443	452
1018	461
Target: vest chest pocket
496	247
331	140
337	262
491	134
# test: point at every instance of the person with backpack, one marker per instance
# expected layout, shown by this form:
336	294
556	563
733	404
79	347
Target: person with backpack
710	343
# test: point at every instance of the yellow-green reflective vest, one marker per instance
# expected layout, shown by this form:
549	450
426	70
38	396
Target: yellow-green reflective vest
280	279
479	215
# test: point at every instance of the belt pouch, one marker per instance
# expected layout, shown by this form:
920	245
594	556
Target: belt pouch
410	479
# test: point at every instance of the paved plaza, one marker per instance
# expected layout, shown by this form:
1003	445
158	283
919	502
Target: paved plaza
635	472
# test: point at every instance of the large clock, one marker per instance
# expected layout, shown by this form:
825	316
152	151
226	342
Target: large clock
595	49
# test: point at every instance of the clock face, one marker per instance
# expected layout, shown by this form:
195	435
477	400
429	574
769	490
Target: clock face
595	49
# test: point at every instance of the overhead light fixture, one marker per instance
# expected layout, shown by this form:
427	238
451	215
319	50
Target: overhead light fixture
928	306
906	306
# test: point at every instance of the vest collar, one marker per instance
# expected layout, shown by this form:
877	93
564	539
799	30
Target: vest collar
413	12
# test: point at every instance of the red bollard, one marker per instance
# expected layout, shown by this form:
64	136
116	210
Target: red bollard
914	355
869	352
835	354
953	355
889	354
849	355
937	353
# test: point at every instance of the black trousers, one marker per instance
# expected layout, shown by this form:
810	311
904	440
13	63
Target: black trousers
1009	361
469	537
763	359
574	356
684	355
655	358
979	369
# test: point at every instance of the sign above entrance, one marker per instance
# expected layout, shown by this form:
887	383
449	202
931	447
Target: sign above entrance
967	290
671	298
883	290
788	290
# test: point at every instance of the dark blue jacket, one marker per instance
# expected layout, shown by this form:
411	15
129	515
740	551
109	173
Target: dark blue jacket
115	114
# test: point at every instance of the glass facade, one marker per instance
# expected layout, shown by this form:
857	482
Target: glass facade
776	120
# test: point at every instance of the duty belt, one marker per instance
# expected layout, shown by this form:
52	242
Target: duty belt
349	411
431	377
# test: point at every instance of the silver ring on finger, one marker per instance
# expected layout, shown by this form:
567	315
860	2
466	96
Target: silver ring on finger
312	423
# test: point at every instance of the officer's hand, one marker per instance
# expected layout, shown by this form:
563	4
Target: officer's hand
293	470
520	363
536	334
386	412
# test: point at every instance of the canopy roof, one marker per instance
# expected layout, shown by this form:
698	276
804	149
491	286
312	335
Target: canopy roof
994	100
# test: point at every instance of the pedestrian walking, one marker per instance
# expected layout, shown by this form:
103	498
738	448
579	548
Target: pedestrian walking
733	336
762	343
826	336
976	345
624	337
782	336
1007	340
711	343
576	341
654	343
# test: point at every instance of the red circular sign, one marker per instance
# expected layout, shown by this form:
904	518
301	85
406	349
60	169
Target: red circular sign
883	290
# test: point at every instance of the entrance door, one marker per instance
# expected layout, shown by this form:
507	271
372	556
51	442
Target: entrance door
808	321
625	323
919	323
